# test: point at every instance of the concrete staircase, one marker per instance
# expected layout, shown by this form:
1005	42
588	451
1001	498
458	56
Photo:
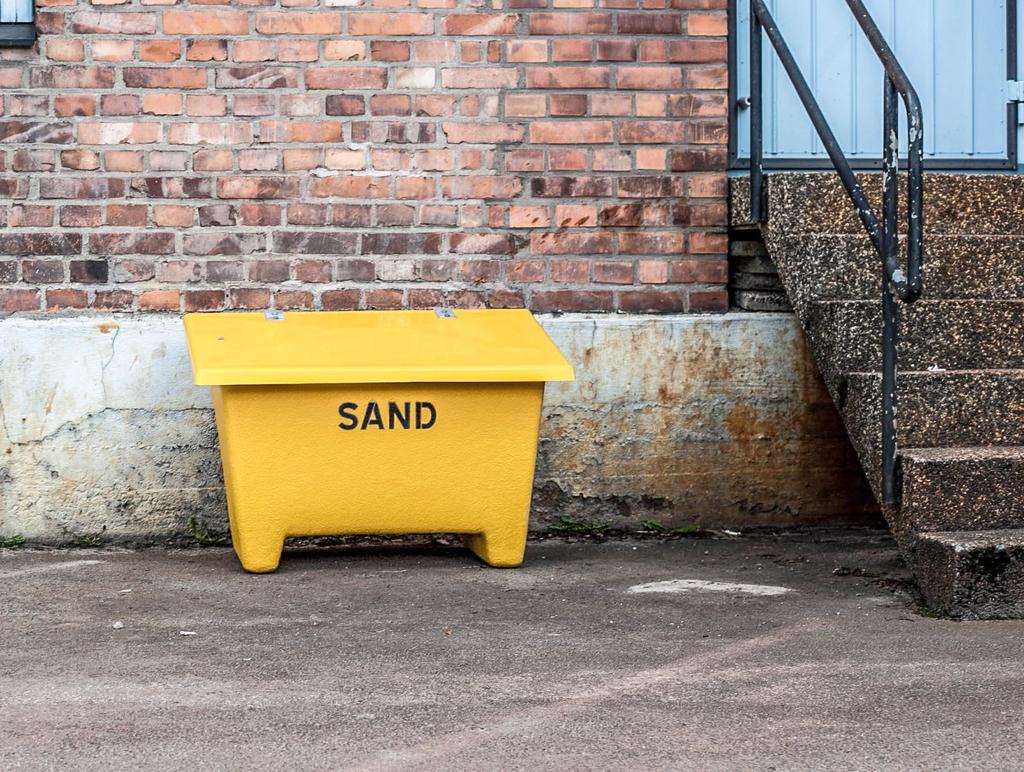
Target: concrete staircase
960	415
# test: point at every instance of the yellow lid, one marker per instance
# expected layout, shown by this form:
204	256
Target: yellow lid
372	347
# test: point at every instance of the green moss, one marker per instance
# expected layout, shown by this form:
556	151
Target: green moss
12	541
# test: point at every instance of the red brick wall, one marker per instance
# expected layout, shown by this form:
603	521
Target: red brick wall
163	157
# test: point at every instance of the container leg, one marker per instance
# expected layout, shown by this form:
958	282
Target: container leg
259	551
500	547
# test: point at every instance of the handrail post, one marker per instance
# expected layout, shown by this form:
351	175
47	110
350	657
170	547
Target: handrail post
756	125
890	248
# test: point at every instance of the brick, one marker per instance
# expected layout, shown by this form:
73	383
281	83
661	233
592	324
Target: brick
248	298
224	271
548	301
268	271
383	299
530	51
29	217
699	271
525	271
207	50
109	133
113	300
706	24
698	51
395	243
708	302
390	24
574	23
14	300
571	243
354	50
205	22
701	160
349	187
567	77
652	301
257	187
483	244
311	271
616	50
346	78
570	271
300	300
652	132
89	271
173	216
64	299
131	243
571	105
71	77
650	23
160	300
316	243
120	104
253	51
476	77
613	272
68	106
296	23
483	133
42	271
112	50
162	104
650	78
26	160
204	300
575	132
707	78
126	215
81	216
119	23
64	50
161	51
340	300
345	104
165	77
40	243
497	186
479	24
209	133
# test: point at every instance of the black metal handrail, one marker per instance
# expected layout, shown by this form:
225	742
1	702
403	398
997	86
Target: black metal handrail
896	283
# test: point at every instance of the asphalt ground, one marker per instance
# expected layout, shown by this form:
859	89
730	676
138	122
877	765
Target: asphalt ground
797	650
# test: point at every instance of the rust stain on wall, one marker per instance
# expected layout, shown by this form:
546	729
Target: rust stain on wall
706	420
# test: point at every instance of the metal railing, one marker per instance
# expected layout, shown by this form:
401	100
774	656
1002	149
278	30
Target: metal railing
906	286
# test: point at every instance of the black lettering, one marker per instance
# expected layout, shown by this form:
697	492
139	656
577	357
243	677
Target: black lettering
345	411
402	416
420	407
372	416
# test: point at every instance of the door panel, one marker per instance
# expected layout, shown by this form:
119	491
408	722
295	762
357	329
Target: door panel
954	51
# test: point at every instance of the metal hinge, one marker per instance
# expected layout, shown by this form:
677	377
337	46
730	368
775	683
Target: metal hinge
1015	94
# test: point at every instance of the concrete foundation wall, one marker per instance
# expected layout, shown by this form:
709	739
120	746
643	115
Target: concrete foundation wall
718	420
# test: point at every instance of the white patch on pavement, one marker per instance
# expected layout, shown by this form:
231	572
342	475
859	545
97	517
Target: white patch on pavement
48	567
701	585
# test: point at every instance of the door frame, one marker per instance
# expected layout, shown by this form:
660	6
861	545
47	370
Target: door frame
797	164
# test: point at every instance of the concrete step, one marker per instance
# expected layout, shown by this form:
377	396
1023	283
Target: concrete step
846	267
953	408
961	489
972	574
950	334
817	202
